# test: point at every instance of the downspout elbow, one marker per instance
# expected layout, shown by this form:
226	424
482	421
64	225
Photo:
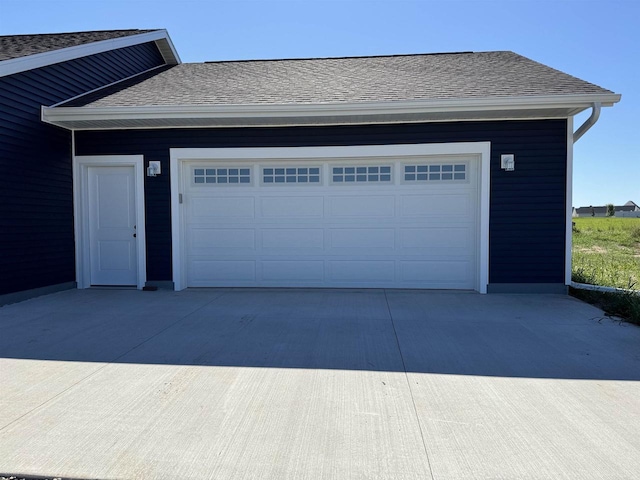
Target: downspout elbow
589	122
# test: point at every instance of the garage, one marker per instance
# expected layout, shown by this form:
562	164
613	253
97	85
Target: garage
369	217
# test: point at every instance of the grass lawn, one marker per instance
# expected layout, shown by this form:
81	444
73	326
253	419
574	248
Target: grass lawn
606	251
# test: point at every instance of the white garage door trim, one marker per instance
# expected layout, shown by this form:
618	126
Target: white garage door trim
180	155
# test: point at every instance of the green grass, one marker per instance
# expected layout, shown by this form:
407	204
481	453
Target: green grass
606	252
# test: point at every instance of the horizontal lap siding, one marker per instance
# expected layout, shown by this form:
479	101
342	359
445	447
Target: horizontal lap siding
36	206
527	222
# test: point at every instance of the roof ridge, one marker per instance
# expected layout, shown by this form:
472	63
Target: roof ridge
82	31
346	57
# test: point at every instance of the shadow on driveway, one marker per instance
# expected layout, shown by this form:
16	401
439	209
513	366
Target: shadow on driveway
456	333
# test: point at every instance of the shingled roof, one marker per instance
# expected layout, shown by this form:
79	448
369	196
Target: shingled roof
16	46
327	91
346	80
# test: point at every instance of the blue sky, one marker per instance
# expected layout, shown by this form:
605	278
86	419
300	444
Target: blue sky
598	41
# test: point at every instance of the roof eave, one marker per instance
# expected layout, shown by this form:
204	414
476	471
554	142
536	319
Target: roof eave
554	106
30	62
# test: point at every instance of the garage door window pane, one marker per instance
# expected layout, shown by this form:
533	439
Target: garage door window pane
290	175
368	174
222	176
435	172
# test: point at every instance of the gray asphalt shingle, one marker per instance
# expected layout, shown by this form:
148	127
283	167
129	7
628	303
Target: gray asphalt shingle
16	46
464	75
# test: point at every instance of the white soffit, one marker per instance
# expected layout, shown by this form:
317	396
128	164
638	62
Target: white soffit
30	62
512	108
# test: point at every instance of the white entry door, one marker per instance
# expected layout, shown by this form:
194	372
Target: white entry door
112	225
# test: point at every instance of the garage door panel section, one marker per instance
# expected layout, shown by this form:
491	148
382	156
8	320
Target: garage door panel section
376	239
330	224
202	208
204	273
360	205
284	240
437	273
281	272
288	206
447	205
358	272
205	240
439	240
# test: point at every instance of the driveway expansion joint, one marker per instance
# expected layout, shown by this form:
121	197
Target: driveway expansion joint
406	376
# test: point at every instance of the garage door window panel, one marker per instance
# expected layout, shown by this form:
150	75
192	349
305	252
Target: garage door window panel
290	175
445	172
361	174
222	176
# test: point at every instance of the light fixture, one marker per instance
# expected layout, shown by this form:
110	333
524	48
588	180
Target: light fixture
154	168
508	162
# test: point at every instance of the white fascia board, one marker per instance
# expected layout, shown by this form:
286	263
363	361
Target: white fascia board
170	54
22	64
572	103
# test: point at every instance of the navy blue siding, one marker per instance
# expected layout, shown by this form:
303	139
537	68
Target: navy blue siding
36	209
527	220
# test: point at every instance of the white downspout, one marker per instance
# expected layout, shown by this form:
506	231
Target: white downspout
589	122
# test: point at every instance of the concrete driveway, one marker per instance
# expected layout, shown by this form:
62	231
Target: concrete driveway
316	384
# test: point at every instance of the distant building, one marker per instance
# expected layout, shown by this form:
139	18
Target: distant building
629	209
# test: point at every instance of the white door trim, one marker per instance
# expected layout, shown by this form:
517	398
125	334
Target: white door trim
81	165
180	155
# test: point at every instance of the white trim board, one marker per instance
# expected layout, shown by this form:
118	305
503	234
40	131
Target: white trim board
180	155
555	106
341	122
569	204
81	201
29	62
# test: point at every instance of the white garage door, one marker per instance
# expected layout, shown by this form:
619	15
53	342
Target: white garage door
392	223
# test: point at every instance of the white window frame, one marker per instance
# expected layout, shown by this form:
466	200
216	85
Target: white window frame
343	154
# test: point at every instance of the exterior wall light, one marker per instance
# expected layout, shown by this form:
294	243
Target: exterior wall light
508	162
154	169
